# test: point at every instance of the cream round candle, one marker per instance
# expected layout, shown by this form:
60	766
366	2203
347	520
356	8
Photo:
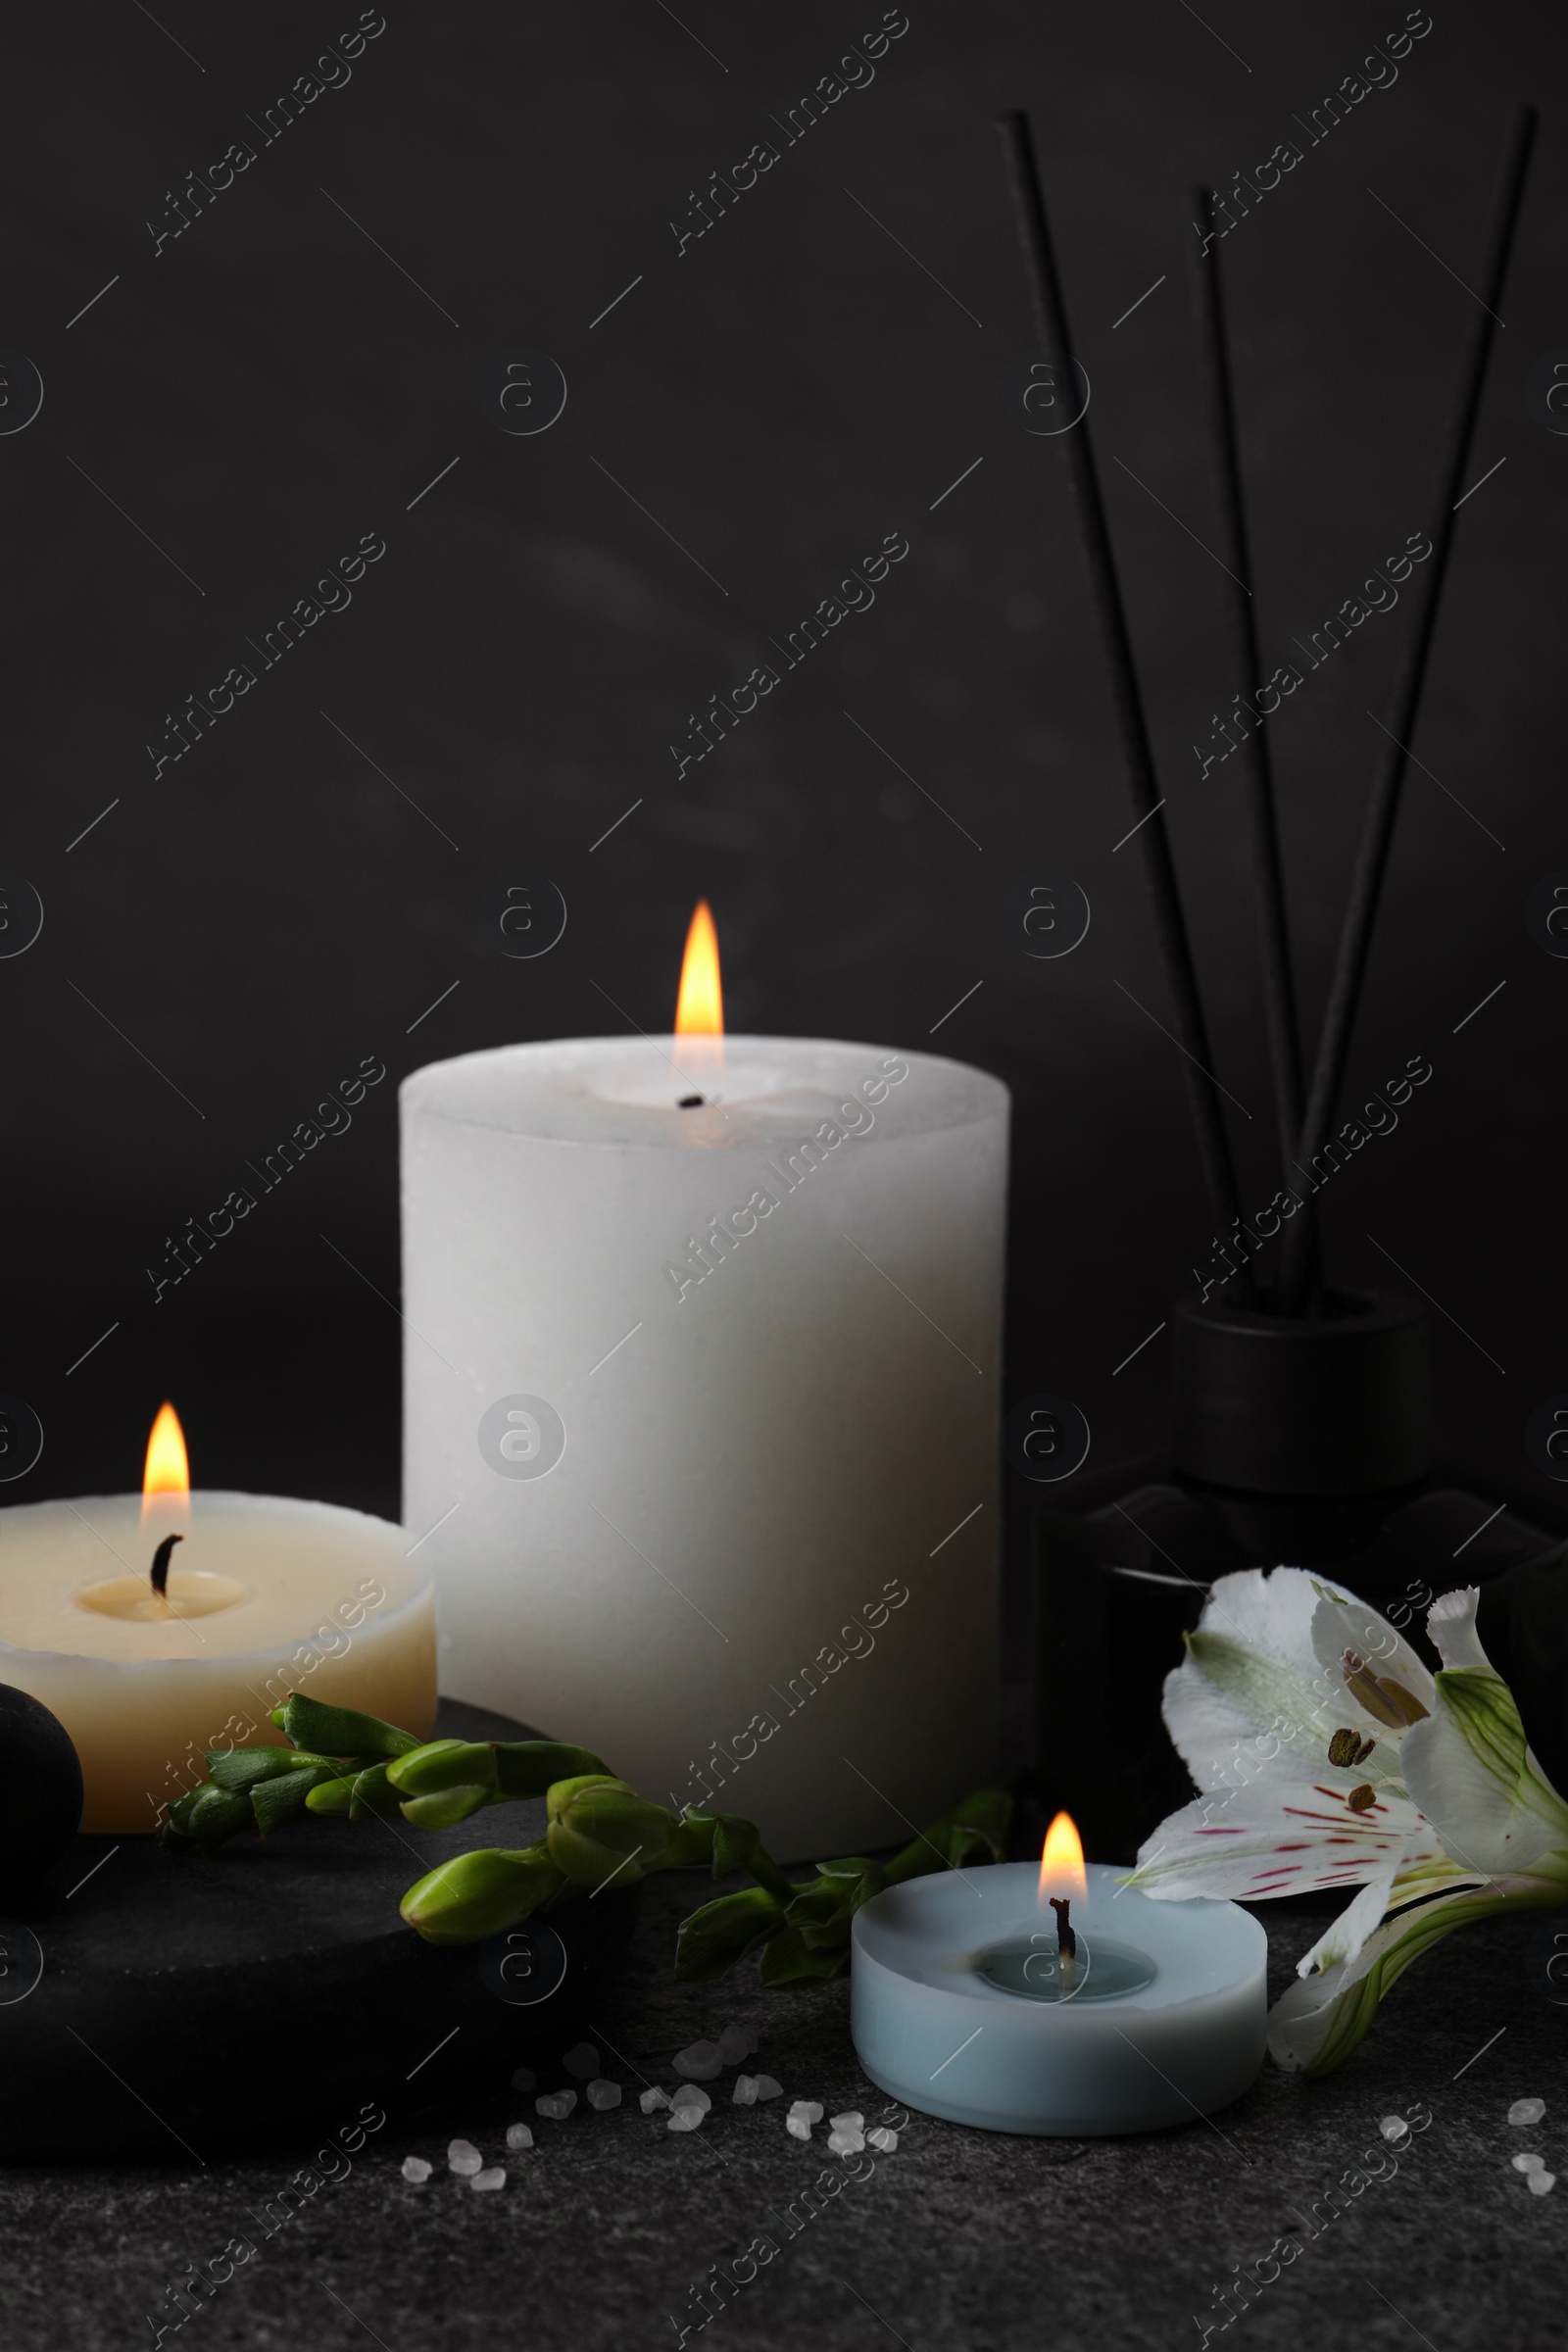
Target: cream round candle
963	2003
265	1596
700	1367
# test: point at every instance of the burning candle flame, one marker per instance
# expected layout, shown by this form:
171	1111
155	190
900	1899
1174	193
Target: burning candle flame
165	1480
700	1006
1061	1861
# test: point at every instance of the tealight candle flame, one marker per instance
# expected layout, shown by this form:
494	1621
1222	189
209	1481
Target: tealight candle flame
700	1006
165	1480
1061	1862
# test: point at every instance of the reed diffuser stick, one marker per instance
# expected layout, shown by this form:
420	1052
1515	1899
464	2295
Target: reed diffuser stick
1372	857
1241	628
1170	929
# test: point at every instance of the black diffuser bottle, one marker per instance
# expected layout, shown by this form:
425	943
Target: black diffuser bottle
1299	1440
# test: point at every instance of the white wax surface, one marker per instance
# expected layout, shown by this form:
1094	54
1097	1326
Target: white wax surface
726	1582
330	1604
931	2031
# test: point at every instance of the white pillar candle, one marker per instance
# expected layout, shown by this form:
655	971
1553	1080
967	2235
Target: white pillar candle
705	1402
956	2005
265	1596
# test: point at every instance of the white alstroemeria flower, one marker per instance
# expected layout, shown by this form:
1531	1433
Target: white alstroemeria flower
1328	1755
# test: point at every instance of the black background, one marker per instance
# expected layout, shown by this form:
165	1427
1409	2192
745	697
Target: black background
780	395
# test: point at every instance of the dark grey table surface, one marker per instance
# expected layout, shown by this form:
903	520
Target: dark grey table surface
957	2238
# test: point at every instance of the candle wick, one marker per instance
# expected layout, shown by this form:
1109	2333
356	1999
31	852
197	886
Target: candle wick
160	1567
1066	1943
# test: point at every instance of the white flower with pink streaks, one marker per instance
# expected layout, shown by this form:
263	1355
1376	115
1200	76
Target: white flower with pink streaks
1329	1756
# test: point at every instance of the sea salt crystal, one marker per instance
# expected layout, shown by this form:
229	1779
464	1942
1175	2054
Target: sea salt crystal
1528	2164
1394	2127
519	2136
556	2104
854	2121
1527	2111
603	2096
414	2168
463	2157
881	2137
797	2126
685	2118
846	2144
494	2175
810	2109
581	2061
767	2089
1538	2183
653	2097
744	2093
700	2063
525	2079
689	2095
735	2043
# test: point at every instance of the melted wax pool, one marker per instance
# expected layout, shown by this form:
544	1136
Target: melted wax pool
1030	1966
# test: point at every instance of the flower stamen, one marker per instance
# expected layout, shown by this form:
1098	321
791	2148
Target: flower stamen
1381	1696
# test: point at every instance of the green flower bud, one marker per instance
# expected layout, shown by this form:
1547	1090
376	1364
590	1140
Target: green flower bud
443	1764
216	1815
354	1793
820	1912
694	1838
242	1767
203	1819
601	1830
372	1796
560	1793
445	1808
340	1731
481	1893
175	1833
282	1798
715	1940
335	1797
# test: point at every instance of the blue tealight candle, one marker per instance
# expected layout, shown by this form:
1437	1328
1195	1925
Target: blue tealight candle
1055	1999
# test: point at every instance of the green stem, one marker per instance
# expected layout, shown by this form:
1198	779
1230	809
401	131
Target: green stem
342	1762
1357	2005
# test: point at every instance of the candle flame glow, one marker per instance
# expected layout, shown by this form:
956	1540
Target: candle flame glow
1061	1861
700	1006
165	1480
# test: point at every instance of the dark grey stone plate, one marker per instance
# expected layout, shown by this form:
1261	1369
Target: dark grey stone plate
232	2002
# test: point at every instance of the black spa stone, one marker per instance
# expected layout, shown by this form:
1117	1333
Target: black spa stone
40	1788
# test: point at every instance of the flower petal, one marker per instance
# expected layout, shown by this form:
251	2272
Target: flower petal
1236	1719
1339	1944
1422	1870
1265	1609
1451	1624
1249	1701
1474	1776
1342	1622
1280	1840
